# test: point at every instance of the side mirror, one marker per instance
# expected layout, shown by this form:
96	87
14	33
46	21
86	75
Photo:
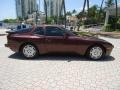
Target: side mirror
66	35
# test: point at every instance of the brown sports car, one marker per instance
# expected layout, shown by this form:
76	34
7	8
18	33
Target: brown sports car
51	39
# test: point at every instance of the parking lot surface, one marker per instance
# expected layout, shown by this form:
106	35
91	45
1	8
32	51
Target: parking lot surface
59	72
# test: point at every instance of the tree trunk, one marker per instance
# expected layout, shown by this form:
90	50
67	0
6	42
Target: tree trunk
88	8
116	13
86	1
84	6
100	10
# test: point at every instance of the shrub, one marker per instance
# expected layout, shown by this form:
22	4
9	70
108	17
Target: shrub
108	28
90	21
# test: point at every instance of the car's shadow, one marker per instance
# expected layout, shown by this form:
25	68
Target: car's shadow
60	57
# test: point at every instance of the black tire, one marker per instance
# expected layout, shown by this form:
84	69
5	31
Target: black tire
95	52
29	51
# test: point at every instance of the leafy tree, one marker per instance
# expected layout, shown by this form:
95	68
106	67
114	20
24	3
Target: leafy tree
118	21
93	11
109	3
20	18
74	11
68	13
9	20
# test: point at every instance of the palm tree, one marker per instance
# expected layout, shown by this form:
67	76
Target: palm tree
86	1
109	3
88	6
116	8
84	6
100	10
64	9
116	13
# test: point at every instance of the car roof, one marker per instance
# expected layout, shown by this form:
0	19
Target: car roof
49	25
33	28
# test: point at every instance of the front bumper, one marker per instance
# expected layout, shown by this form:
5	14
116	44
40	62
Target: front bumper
109	50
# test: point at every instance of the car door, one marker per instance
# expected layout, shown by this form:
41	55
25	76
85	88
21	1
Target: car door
76	44
54	39
39	39
73	43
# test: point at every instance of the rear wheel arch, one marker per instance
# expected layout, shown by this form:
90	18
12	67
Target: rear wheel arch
25	43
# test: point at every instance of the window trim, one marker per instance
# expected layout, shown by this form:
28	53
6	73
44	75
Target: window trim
53	27
39	34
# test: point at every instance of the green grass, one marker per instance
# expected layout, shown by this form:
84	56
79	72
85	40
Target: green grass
84	33
117	30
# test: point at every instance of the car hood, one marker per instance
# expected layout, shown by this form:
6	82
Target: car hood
89	38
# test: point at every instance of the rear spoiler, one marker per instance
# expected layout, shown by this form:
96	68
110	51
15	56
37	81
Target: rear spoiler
11	32
19	31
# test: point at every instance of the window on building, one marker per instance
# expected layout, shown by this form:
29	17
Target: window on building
19	2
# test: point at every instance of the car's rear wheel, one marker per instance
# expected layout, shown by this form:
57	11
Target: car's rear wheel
95	52
29	51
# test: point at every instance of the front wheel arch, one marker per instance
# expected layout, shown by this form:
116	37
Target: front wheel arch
104	50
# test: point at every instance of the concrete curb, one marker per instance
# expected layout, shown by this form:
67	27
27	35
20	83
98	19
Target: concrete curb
115	35
111	36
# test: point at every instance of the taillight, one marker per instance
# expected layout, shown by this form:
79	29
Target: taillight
8	36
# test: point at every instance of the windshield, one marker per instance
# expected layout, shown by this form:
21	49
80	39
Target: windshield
68	31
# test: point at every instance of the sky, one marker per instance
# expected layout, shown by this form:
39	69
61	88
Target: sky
8	8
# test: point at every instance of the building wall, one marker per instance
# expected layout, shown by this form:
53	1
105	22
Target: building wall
18	8
25	7
54	7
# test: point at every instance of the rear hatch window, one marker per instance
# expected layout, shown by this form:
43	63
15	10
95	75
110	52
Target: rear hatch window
20	30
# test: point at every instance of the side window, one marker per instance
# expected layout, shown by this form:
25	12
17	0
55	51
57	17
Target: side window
39	31
54	31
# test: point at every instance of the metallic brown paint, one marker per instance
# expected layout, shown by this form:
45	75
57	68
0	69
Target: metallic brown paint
47	44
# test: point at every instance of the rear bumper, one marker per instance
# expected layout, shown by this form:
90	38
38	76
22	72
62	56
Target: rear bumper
13	47
6	45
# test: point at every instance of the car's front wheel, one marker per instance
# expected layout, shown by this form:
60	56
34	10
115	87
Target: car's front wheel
95	52
29	51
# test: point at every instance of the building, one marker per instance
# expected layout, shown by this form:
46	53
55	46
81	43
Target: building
40	18
25	7
71	22
111	11
54	7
